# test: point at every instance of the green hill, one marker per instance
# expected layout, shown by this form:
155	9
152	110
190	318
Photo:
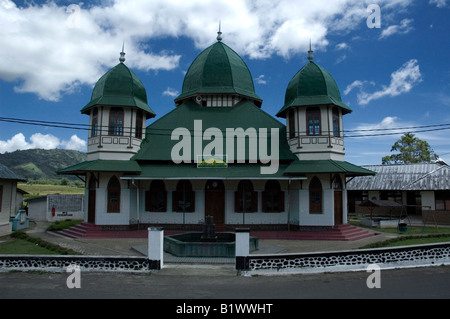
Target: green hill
41	164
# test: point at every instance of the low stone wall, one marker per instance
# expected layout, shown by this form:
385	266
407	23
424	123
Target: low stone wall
405	256
86	263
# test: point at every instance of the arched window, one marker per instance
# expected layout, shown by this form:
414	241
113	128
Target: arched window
114	195
315	196
183	199
139	124
94	126
156	197
336	125
313	121
116	121
272	197
291	119
245	199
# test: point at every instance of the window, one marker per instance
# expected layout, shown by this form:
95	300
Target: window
272	197
94	127
183	199
313	121
336	126
442	200
245	199
116	121
291	119
396	196
315	196
114	195
139	124
156	197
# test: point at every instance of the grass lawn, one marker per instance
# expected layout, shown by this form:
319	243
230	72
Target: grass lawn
23	247
403	241
35	190
20	243
415	235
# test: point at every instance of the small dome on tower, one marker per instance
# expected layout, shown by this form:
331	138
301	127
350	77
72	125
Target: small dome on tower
312	85
119	87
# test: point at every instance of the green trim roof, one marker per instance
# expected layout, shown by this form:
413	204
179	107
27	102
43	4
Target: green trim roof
218	70
6	173
299	167
190	171
102	166
119	87
158	144
312	85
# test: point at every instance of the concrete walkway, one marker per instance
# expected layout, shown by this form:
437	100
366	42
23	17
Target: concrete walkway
138	246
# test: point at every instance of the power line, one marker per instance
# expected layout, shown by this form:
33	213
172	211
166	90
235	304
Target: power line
162	131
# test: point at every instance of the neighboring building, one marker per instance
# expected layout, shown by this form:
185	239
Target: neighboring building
56	207
10	198
217	152
423	189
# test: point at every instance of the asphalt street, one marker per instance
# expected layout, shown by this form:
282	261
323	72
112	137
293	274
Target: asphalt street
184	282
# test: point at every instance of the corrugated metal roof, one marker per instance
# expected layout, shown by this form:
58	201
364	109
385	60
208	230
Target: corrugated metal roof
404	177
158	143
6	173
190	171
326	166
102	166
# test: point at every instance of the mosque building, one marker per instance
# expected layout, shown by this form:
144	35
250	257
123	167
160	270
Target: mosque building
217	153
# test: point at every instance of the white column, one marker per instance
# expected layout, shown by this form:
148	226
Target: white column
155	247
242	248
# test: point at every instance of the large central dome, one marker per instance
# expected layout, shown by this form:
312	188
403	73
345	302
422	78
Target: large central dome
218	70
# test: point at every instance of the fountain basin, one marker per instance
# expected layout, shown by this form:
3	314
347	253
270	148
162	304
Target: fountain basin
193	245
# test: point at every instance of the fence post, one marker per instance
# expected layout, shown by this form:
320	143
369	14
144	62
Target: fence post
155	248
242	248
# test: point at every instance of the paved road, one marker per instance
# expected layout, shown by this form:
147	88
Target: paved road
222	282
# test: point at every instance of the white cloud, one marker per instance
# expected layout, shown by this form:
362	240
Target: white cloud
38	140
403	28
75	143
342	46
402	81
171	92
46	51
260	80
50	50
439	3
350	87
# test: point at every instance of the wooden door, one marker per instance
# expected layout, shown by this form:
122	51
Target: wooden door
91	206
215	201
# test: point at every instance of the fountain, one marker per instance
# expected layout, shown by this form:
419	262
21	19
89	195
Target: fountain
205	244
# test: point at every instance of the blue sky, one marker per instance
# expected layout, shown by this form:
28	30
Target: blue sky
396	76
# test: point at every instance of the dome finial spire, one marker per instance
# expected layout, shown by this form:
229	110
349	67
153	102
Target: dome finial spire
219	34
310	52
122	54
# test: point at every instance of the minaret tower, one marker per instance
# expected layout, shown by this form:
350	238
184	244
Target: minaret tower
118	111
313	110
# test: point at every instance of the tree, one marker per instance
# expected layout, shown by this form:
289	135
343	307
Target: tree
411	150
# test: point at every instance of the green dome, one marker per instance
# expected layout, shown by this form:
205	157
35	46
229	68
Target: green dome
312	85
218	70
119	87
